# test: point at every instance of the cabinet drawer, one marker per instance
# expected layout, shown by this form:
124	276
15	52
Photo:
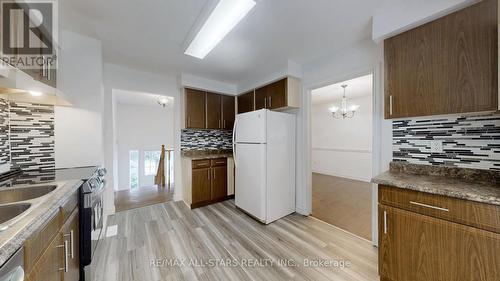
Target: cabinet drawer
219	162
480	215
200	164
36	244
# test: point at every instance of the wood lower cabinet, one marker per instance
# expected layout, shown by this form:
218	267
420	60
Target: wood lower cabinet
52	253
219	183
50	266
208	181
70	234
418	247
447	66
195	109
246	102
228	112
214	111
201	185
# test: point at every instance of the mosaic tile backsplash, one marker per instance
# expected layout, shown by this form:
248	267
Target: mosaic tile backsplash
192	139
31	132
4	132
468	141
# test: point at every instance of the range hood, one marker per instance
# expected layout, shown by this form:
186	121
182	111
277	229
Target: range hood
15	85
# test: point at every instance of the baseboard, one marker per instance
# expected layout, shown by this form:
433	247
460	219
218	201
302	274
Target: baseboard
210	202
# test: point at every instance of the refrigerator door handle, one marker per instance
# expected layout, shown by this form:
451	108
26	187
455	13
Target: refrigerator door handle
234	141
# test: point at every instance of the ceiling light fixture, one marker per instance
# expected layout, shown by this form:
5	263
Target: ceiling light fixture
221	21
344	110
163	101
35	93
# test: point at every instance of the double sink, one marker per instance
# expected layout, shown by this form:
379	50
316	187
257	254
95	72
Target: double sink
15	202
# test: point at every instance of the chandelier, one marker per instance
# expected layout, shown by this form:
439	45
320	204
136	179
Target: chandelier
163	101
344	110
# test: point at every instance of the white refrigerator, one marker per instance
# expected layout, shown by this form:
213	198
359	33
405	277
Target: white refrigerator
264	157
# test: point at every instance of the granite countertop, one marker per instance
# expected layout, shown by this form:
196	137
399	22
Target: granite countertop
455	182
41	210
207	154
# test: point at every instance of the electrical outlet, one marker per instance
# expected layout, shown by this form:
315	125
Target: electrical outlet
437	146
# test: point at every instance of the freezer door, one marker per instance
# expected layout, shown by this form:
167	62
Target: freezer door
250	189
250	127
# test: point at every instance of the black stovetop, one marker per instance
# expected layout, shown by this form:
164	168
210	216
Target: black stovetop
19	177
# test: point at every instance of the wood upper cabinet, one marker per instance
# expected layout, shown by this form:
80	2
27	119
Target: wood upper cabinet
246	102
228	112
415	247
277	94
284	93
261	98
214	111
447	66
205	110
195	109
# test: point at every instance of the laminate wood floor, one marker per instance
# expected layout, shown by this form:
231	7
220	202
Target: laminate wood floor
141	197
150	239
344	203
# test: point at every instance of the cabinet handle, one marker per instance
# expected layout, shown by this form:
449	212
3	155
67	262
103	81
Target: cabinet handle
270	102
65	247
265	102
48	71
390	104
385	222
71	242
213	173
429	206
208	175
224	124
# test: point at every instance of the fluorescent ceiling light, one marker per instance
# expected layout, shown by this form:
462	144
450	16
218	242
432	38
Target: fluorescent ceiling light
221	21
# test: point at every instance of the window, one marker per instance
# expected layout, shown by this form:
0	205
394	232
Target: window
151	162
134	168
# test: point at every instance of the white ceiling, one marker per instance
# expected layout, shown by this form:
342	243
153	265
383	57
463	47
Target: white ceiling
356	88
141	99
151	34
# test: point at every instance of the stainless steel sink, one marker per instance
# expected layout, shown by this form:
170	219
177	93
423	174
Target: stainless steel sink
25	193
9	212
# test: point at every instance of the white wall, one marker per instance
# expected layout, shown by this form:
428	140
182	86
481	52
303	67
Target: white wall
123	78
397	16
342	147
142	128
78	129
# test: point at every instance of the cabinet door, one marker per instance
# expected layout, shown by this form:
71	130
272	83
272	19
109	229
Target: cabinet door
50	266
277	94
214	112
219	182
414	247
201	185
261	98
195	109
246	102
228	114
70	232
446	66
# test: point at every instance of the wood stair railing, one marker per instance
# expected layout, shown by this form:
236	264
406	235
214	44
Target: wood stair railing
160	173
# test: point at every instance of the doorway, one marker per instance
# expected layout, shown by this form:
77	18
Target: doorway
341	154
142	126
